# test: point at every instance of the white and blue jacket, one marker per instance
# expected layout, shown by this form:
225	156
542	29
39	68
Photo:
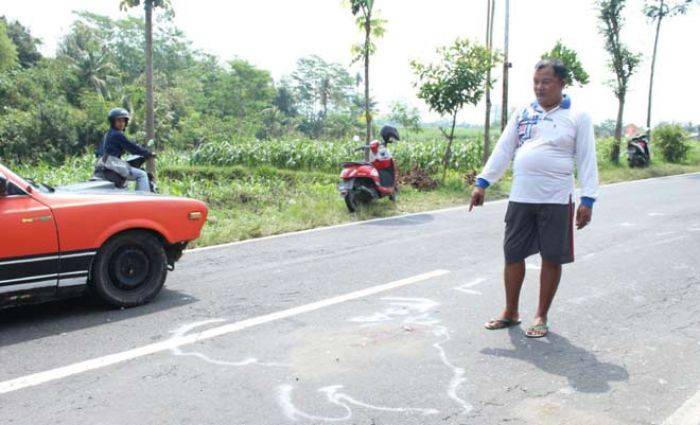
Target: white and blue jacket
545	147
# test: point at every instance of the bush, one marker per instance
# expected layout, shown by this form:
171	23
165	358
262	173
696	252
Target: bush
50	131
604	148
671	140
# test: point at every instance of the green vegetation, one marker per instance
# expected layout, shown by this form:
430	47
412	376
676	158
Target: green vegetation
304	154
570	59
671	141
457	80
100	64
253	201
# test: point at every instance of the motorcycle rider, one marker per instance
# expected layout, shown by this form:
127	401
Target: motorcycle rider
115	143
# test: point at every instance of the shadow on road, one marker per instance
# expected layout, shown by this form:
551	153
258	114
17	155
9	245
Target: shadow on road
27	323
411	220
558	356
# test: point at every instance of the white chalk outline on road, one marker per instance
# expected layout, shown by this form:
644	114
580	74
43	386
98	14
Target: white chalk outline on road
394	217
465	287
172	343
687	414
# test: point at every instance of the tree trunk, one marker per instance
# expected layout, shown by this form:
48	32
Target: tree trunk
150	118
615	152
368	117
653	65
487	93
325	92
506	66
448	150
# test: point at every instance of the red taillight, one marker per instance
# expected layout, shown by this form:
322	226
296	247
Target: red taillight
374	146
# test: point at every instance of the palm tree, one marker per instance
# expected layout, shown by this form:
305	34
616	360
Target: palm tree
373	28
89	59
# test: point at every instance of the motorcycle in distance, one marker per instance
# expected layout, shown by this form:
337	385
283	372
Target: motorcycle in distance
365	181
638	151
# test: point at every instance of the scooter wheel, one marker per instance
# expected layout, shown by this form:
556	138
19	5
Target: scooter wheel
351	202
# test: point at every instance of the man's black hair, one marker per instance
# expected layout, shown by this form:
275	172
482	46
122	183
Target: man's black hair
560	70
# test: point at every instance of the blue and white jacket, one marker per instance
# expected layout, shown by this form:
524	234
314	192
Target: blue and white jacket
545	148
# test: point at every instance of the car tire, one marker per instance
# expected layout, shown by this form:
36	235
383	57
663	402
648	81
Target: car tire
130	269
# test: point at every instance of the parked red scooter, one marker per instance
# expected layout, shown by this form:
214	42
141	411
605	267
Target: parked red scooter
363	182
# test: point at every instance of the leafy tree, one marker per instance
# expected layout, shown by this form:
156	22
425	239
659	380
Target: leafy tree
623	62
148	6
285	99
321	89
89	57
459	79
321	86
242	91
27	52
373	28
406	116
656	11
569	57
8	50
605	129
100	64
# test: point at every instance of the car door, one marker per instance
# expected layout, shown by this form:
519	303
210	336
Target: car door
28	244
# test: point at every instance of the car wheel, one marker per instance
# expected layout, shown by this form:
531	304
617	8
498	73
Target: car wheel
130	269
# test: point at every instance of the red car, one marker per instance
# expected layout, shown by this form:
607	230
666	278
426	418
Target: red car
59	242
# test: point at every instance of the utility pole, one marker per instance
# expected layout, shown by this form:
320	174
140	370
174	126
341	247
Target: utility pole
150	115
506	66
653	65
490	8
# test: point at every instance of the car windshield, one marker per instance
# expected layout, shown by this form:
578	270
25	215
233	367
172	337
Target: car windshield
42	187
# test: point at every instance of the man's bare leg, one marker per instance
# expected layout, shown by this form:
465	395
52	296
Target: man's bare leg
550	275
513	277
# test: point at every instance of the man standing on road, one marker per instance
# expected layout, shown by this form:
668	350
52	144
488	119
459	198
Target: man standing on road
544	140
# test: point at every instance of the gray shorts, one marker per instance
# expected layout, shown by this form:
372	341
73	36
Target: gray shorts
544	228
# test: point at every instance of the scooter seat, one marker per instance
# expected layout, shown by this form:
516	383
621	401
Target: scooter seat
355	164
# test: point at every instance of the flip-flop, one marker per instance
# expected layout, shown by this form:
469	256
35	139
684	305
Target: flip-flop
502	323
537	331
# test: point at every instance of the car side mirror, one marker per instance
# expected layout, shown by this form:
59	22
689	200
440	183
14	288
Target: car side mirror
3	185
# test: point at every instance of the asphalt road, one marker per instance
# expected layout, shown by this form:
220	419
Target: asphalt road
381	323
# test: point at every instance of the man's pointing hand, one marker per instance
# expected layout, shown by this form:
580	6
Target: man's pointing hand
478	196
